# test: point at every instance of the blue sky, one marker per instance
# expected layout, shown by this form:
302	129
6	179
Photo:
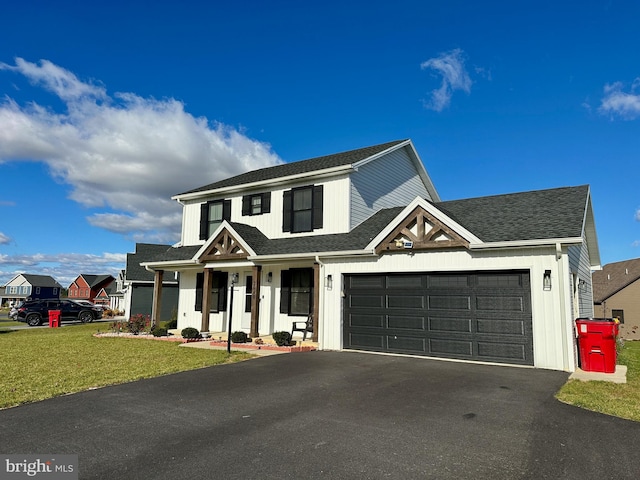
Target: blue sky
106	110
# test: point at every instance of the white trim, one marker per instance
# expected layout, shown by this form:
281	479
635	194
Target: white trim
328	172
312	255
526	243
429	208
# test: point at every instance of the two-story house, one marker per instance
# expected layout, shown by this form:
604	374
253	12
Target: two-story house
362	241
27	286
91	287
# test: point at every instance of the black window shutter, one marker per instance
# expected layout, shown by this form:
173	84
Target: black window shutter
285	289
317	206
199	284
266	202
246	205
286	211
226	210
223	279
204	221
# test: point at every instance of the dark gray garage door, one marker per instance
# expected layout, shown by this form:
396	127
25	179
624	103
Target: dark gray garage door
483	316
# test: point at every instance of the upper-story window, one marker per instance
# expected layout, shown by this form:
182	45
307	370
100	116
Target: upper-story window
302	209
256	204
211	216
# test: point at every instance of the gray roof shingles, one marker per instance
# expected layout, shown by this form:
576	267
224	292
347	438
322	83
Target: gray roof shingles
296	168
541	214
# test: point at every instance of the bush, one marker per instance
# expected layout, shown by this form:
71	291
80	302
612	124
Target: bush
117	326
171	324
159	332
282	339
139	324
239	337
190	333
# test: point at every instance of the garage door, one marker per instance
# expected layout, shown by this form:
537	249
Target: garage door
482	316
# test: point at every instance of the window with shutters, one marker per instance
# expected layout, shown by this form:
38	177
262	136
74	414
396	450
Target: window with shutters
211	216
296	292
302	209
256	204
218	302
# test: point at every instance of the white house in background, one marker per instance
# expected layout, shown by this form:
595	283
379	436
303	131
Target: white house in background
362	241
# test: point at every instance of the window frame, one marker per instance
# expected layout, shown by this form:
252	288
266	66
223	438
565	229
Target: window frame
290	281
205	222
289	211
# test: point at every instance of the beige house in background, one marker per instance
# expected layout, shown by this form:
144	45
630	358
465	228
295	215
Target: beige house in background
616	293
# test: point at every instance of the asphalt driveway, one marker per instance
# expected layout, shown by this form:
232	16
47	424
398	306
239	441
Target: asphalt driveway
329	415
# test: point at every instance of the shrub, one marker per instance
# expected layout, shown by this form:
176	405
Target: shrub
282	339
139	324
239	337
171	324
117	326
190	332
159	331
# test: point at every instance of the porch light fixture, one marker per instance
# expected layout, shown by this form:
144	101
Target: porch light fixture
546	280
329	282
269	277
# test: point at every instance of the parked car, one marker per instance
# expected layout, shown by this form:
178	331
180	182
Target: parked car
35	312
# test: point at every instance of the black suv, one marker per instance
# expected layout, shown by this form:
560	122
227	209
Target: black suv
34	312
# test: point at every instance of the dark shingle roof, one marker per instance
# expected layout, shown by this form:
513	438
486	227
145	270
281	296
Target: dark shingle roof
540	214
614	277
41	280
295	168
96	280
144	253
536	215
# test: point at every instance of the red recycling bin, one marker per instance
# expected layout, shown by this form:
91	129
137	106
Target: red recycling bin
597	344
54	318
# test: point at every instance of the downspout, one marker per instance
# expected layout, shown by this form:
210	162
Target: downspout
320	301
563	309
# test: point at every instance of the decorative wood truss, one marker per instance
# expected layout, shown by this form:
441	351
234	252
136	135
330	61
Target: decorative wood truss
421	231
224	247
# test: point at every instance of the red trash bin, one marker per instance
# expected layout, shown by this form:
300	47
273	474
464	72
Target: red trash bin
54	318
597	344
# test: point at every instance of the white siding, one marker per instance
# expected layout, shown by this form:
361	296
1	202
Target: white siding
335	206
552	348
390	181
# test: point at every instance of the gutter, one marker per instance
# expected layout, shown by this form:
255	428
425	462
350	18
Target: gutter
551	242
307	256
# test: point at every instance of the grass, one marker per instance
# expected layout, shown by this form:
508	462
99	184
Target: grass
619	400
44	363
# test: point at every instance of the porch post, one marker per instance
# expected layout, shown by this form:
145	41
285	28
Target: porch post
255	300
206	299
316	300
156	306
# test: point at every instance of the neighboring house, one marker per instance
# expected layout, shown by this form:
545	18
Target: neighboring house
138	284
362	241
616	293
91	288
25	285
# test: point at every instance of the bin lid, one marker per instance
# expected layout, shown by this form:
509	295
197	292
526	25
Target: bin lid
595	319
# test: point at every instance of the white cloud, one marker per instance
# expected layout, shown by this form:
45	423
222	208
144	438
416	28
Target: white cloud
618	103
63	267
4	240
123	153
449	65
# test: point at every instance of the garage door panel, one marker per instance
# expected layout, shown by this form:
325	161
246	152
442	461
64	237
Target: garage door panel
415	302
501	352
367	341
442	324
449	302
403	322
500	303
501	327
406	344
478	316
367	301
450	348
375	321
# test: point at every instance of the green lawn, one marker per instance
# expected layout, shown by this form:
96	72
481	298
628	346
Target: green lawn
619	400
43	363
